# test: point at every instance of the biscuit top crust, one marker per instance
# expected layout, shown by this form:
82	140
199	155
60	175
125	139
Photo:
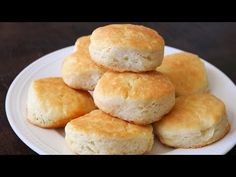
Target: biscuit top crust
149	85
127	35
80	61
53	93
186	71
193	113
102	124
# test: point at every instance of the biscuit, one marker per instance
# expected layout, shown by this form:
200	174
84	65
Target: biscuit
78	70
195	121
126	47
81	42
186	71
100	133
141	98
51	103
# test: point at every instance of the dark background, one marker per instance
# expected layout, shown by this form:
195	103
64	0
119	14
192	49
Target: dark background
22	43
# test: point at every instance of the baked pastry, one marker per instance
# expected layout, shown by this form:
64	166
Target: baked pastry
141	98
51	103
78	70
100	133
186	71
126	47
81	42
195	121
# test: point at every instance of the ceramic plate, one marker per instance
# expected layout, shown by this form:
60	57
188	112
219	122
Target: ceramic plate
45	141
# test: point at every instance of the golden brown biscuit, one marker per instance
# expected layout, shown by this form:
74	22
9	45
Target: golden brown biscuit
195	121
126	47
100	133
141	98
81	42
78	70
186	71
51	103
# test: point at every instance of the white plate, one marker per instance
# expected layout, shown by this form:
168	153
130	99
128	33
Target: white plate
44	141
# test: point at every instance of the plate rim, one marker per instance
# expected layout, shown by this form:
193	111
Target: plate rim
7	102
38	150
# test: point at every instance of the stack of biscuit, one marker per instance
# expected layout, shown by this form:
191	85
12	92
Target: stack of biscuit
135	90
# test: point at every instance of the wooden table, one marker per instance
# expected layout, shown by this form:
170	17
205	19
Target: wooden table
22	43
